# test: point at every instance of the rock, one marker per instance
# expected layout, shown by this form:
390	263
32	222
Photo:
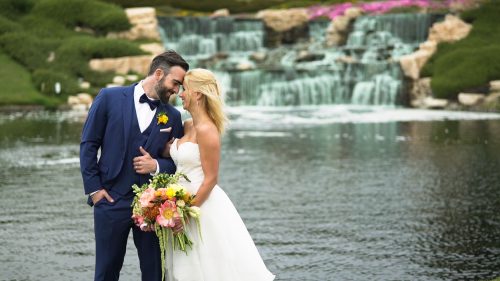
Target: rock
119	80
245	65
346	59
80	102
52	56
353	13
84	85
461	6
493	98
79	107
84	98
123	65
72	100
153	48
450	30
338	30
428	46
132	77
470	99
341	23
144	25
413	63
495	86
421	89
283	20
435	103
220	13
306	56
284	26
258	56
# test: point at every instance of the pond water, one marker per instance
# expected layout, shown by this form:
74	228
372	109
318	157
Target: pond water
327	193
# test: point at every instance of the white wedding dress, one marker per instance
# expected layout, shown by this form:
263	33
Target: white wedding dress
226	251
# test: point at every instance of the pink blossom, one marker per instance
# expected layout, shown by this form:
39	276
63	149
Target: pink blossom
147	196
168	211
138	219
379	7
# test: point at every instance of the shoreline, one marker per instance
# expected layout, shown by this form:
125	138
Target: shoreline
7	109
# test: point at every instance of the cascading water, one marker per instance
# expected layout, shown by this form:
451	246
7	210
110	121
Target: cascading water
365	71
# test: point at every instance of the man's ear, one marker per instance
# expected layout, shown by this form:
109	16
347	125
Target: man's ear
159	73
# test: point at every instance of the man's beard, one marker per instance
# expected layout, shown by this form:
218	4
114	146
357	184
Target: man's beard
163	92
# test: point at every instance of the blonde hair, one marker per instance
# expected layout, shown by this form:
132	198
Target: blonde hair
203	81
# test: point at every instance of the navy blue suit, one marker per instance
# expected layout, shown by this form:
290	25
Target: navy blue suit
113	128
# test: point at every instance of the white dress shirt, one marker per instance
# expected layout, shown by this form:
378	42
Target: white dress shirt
144	113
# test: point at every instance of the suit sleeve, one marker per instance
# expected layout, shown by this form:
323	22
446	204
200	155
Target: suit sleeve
167	164
92	137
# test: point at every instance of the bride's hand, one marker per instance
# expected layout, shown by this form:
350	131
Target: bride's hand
166	149
178	225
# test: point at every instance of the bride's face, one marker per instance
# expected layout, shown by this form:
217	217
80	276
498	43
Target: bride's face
186	97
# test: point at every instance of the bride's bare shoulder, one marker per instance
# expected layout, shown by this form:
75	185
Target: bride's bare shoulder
207	131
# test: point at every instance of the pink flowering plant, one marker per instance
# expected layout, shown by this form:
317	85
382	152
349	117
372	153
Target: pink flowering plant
159	205
384	6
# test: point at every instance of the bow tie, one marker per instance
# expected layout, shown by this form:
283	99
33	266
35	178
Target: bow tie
153	104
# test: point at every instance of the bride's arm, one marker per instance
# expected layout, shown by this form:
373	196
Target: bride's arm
209	143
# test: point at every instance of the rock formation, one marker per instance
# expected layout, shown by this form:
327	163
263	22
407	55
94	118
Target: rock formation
284	26
450	30
339	28
144	25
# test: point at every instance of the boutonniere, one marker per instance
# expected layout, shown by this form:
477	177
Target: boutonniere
161	118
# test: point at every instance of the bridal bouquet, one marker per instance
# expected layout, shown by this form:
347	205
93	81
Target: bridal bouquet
157	205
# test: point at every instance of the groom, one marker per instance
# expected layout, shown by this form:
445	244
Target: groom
124	123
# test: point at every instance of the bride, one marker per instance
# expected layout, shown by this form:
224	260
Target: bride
225	251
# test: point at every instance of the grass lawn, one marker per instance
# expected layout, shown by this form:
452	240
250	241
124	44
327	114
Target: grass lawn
17	88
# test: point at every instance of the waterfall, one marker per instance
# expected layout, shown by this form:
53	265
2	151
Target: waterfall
364	71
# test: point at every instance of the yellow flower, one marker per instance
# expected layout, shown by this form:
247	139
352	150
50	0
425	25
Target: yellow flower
170	192
162	118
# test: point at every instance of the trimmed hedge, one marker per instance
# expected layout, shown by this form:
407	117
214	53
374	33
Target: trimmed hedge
40	36
7	25
27	49
469	64
13	9
45	27
99	16
45	80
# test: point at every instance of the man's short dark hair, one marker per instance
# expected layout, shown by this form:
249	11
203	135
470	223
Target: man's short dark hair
167	60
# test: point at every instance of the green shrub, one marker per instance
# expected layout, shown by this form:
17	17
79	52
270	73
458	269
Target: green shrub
99	16
91	47
469	63
13	9
7	25
74	54
27	49
45	27
45	80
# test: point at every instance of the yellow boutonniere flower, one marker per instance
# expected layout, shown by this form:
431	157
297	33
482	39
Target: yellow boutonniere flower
162	118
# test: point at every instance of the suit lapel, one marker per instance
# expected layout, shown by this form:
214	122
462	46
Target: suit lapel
128	110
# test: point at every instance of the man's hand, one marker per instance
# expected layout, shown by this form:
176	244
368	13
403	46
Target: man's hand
96	197
144	164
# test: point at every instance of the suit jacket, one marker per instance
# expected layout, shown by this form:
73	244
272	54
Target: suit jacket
108	127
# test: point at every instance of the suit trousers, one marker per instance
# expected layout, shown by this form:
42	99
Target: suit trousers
112	224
